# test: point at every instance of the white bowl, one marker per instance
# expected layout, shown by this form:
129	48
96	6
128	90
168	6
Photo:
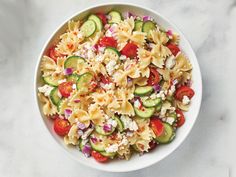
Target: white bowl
136	162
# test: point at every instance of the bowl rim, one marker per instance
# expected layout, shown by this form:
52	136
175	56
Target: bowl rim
197	67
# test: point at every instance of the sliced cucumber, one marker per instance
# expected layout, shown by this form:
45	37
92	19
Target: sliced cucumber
112	51
141	91
170	99
88	28
108	154
50	81
120	125
147	27
59	106
83	83
72	61
54	96
97	20
144	112
138	24
98	145
151	102
168	134
158	107
81	145
115	17
73	78
99	130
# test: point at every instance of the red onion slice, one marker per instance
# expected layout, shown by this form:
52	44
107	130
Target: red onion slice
68	71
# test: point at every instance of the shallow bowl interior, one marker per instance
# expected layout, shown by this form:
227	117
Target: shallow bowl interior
136	162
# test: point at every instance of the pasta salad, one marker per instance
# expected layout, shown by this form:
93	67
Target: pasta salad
116	84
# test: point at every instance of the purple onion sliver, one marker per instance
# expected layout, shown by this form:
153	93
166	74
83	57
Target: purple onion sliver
157	88
80	132
81	126
169	33
68	71
77	101
107	128
86	150
146	18
94	139
67	112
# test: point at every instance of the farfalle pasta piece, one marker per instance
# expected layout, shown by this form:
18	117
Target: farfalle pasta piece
159	37
79	115
72	137
74	25
160	51
47	107
48	66
183	107
96	113
142	81
182	63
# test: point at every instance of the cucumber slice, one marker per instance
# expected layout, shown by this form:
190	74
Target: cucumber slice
120	125
112	51
73	78
71	62
88	28
168	134
59	106
83	83
107	154
144	112
98	146
97	20
81	145
115	17
99	130
151	102
158	107
138	24
147	27
54	96
142	91
50	81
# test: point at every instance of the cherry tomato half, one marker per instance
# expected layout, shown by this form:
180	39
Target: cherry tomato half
99	157
54	54
157	126
61	126
108	42
180	118
130	50
65	88
173	48
184	91
102	17
154	77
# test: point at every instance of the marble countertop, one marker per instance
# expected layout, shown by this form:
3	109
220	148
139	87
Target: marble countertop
26	149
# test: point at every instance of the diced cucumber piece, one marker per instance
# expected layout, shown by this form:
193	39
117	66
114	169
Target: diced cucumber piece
97	20
138	25
120	125
112	51
84	82
107	154
50	81
144	112
88	28
99	130
72	62
115	17
73	78
142	91
168	134
158	107
151	102
54	96
147	27
98	145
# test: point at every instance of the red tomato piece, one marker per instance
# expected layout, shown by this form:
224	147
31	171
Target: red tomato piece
130	50
173	48
184	91
102	17
108	42
157	126
65	88
154	77
180	118
99	157
152	145
61	126
54	54
104	79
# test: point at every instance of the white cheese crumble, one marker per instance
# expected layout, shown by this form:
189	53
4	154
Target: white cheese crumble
161	95
123	57
99	58
170	62
129	123
61	81
112	122
112	148
107	86
110	67
124	141
137	103
87	133
172	90
74	86
46	89
153	96
170	120
185	100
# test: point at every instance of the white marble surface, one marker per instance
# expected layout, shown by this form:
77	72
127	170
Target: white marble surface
27	150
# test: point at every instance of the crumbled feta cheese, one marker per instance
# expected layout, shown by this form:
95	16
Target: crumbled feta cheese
46	89
107	86
74	86
61	81
90	54
101	49
124	141
170	62
112	122
170	120
110	67
123	57
172	90
112	148
185	100
153	96
80	35
161	95
137	103
99	58
87	133
129	134
163	112
108	33
172	109
129	123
